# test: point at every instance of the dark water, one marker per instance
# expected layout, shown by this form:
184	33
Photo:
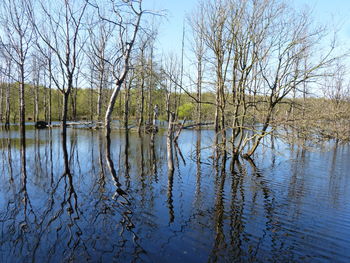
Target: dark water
83	201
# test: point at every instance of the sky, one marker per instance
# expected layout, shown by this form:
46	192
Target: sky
327	12
171	26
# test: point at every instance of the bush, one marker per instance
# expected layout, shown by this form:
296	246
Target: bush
186	111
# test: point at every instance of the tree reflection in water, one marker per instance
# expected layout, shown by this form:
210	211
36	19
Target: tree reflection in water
84	196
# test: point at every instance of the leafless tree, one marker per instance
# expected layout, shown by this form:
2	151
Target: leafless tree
259	48
171	68
217	39
7	80
16	41
127	87
141	69
126	17
36	74
291	38
99	50
196	21
59	27
334	113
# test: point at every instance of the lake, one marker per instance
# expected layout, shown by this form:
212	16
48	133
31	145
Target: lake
87	199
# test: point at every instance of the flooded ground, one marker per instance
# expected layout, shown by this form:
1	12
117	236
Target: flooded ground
93	200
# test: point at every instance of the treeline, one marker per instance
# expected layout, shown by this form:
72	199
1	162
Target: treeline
84	102
243	62
327	116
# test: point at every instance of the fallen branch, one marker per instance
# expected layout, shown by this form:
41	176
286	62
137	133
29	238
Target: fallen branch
198	124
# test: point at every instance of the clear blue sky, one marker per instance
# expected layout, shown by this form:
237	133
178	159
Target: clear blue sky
170	31
330	11
171	27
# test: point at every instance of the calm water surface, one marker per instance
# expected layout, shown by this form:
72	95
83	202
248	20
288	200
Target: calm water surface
86	199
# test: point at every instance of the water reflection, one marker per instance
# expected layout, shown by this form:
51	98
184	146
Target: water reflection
82	196
219	242
237	206
198	192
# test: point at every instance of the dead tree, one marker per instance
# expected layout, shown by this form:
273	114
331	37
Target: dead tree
281	60
60	30
217	39
196	22
17	41
141	73
125	16
98	51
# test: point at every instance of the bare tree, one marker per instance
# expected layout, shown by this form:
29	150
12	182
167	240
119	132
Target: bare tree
77	82
290	40
7	80
46	56
172	70
142	77
126	17
127	87
36	72
334	113
99	51
262	45
196	22
17	40
60	29
2	98
217	38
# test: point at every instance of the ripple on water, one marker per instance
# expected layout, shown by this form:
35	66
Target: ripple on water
287	208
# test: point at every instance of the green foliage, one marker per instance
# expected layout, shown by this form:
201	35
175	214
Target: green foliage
186	111
86	101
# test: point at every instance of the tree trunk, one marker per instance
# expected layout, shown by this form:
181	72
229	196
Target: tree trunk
99	103
142	108
99	93
223	128
126	105
50	92
170	143
50	105
65	109
8	89
109	111
74	103
168	105
8	109
21	97
59	100
199	92
1	102
155	117
216	120
92	103
142	104
46	114
36	106
150	87
262	135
